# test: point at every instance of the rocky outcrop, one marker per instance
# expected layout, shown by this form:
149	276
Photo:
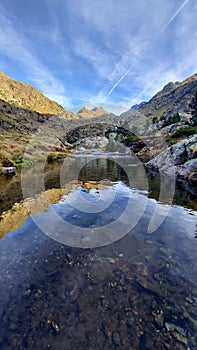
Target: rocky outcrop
24	121
87	130
93	142
179	160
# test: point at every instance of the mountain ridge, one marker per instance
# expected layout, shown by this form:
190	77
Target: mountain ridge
25	96
133	108
173	98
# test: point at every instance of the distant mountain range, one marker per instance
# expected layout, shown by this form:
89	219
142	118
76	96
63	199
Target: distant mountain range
173	98
30	106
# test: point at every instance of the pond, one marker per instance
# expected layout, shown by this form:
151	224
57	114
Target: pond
97	253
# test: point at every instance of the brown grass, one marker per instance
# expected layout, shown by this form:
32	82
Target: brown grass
14	145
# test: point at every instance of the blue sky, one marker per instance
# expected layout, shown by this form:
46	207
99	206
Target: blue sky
112	53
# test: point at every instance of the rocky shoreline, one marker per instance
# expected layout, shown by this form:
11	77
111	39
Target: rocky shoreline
179	160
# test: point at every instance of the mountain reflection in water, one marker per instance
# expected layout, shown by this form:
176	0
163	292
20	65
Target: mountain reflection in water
138	292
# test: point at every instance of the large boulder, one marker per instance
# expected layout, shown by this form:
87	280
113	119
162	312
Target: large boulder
179	160
93	142
188	171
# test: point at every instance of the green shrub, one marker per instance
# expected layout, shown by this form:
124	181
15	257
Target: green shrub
18	158
22	162
171	120
155	120
19	161
187	131
129	140
182	132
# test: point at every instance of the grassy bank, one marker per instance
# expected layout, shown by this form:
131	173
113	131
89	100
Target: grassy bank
24	151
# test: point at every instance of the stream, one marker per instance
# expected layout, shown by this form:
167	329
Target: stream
97	253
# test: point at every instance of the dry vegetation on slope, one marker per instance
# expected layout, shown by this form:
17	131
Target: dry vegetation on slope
26	96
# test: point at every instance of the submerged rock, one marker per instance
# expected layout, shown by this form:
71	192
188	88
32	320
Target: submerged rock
116	338
159	319
170	327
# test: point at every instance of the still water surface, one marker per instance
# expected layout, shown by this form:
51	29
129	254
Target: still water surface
129	290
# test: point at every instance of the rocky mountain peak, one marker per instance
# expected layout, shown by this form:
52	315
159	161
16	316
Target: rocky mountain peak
83	110
168	87
96	109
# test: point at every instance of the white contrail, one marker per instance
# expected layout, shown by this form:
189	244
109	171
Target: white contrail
118	82
173	17
162	31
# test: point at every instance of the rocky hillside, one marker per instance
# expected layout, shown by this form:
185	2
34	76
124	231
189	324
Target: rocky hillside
68	115
133	108
25	96
173	98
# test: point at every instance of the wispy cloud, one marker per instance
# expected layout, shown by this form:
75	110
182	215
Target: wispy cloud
184	59
98	57
16	47
99	52
122	63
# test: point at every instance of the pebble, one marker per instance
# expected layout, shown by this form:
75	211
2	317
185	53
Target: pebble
116	338
27	293
54	325
111	260
170	327
179	337
190	300
74	294
159	319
